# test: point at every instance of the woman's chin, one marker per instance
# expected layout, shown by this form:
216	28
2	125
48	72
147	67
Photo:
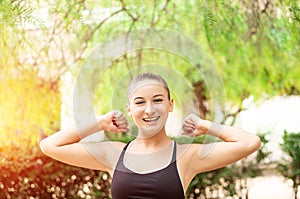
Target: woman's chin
149	131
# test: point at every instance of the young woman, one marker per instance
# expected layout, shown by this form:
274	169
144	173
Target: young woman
152	165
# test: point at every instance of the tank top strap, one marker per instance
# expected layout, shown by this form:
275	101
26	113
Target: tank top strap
123	152
126	146
174	152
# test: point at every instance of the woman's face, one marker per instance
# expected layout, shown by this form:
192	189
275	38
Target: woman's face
149	107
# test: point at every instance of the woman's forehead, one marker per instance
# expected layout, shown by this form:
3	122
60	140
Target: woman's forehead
145	87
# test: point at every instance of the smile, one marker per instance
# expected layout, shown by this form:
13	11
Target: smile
151	119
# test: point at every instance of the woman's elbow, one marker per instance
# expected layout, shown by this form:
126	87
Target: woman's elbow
45	146
254	144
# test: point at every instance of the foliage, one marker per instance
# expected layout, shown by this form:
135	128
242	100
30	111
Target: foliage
290	166
30	108
30	102
30	174
14	13
244	41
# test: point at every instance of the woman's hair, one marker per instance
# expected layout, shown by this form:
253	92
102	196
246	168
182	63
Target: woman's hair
147	76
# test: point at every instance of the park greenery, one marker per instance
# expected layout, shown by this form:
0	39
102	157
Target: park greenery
254	45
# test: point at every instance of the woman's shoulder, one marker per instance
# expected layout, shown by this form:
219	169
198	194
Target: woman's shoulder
118	144
108	153
112	148
187	149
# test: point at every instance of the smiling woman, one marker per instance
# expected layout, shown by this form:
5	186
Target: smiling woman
149	104
152	165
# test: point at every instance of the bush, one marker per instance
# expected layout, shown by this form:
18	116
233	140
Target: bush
290	166
30	174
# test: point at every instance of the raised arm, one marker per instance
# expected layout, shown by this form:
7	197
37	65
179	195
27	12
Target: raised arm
236	144
66	147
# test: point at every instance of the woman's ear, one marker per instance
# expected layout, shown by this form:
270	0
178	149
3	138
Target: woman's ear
171	105
128	109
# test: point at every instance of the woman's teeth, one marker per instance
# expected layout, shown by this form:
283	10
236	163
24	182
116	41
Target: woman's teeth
151	119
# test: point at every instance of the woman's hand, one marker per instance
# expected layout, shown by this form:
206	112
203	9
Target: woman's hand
113	121
194	126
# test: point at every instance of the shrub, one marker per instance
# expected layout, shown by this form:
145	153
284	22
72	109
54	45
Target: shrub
30	174
290	166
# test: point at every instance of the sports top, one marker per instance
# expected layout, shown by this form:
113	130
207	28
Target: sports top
161	184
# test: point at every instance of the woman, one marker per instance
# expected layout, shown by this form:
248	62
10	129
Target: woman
152	165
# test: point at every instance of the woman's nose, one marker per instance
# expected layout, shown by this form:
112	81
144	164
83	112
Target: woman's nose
149	108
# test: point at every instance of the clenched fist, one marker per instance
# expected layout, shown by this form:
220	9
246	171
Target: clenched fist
194	126
113	121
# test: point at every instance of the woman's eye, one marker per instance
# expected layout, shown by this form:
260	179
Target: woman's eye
139	102
158	100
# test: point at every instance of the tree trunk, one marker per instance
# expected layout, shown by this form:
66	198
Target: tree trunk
199	90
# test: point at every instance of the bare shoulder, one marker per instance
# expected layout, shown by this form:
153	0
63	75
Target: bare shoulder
187	152
113	145
119	145
107	151
185	155
188	149
115	148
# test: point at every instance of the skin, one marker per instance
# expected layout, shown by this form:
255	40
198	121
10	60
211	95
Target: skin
149	106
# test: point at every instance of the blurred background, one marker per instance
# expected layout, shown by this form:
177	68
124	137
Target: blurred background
255	46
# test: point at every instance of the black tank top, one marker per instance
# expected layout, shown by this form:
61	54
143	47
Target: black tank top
161	184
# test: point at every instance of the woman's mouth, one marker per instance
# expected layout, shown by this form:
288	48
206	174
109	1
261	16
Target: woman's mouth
152	119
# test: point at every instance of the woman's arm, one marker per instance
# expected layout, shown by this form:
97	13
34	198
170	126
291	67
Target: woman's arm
236	144
65	145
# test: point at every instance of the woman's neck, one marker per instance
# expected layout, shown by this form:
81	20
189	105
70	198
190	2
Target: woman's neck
156	141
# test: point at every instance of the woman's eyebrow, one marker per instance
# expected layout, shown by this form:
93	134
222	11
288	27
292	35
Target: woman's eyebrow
138	98
158	95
